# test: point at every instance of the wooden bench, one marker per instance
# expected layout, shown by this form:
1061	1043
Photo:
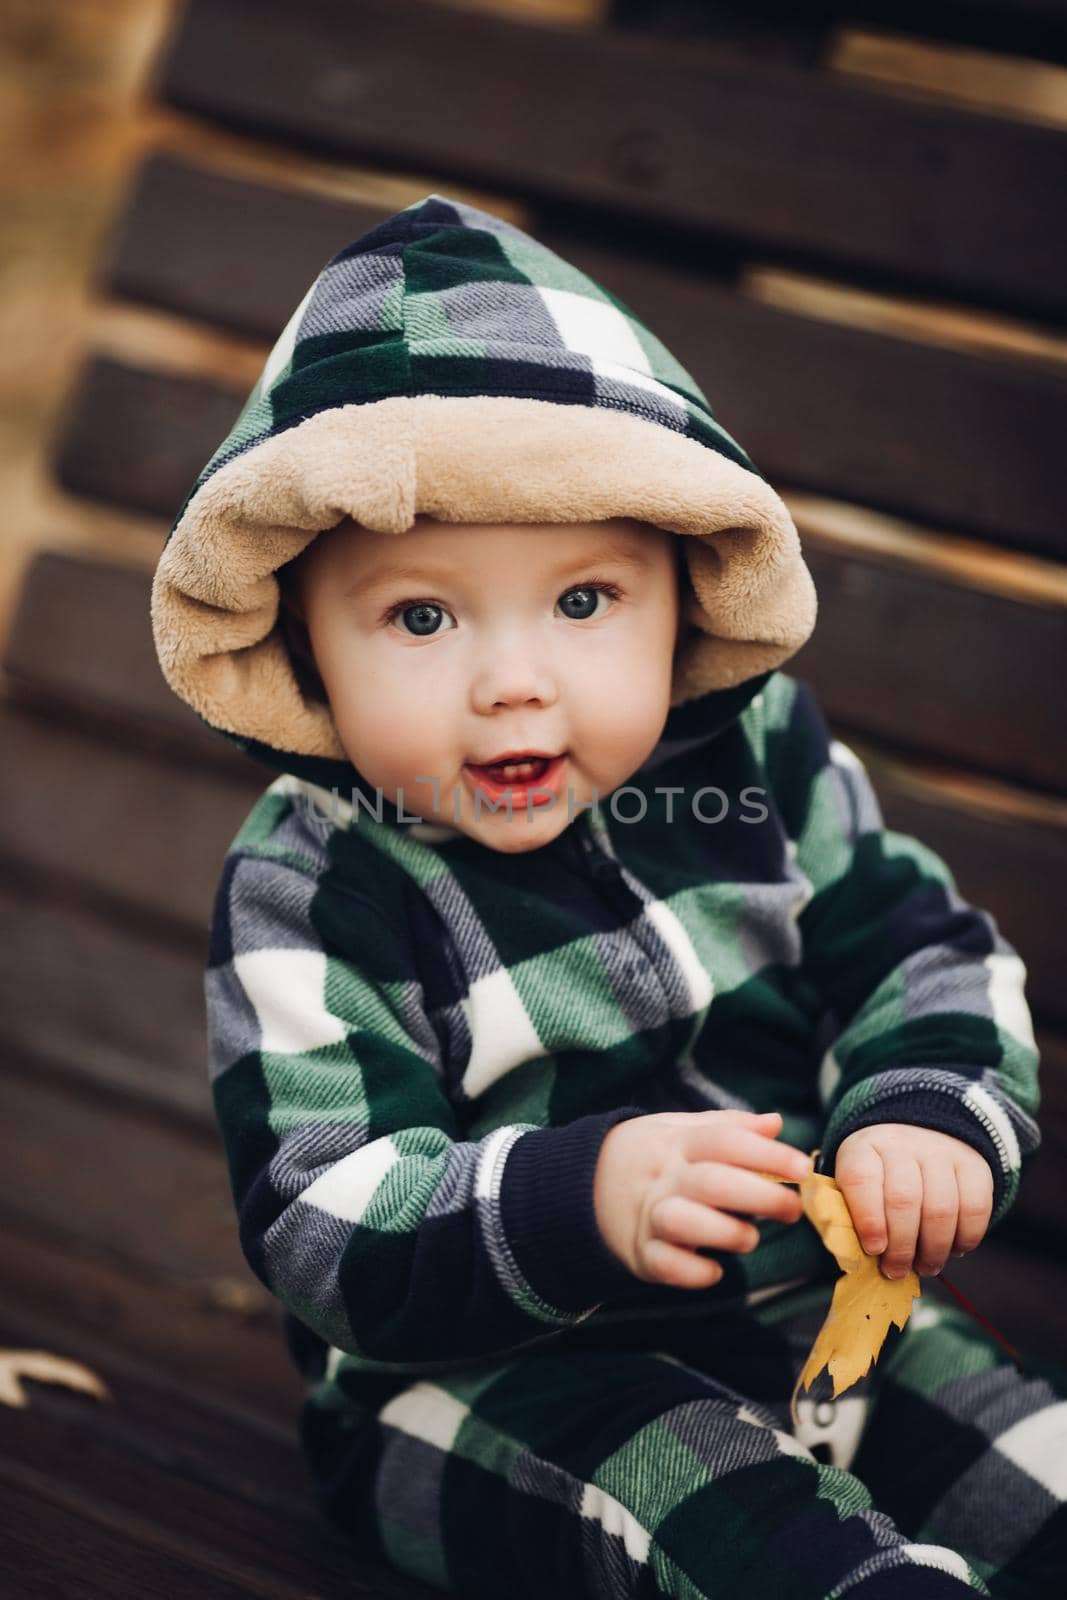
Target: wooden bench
710	166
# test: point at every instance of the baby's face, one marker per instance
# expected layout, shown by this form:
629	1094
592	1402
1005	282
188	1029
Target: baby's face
450	645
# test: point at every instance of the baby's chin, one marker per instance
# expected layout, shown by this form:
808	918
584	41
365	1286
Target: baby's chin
518	840
518	834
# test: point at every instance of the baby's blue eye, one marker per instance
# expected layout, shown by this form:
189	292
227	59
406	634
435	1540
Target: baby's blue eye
424	615
587	594
421	617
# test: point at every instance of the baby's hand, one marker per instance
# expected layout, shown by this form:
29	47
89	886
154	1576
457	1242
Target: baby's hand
905	1184
661	1179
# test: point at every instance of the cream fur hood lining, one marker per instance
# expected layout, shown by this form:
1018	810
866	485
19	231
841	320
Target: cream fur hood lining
215	597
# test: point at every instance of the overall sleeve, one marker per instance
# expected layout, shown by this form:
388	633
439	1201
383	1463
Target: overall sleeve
361	1207
928	1022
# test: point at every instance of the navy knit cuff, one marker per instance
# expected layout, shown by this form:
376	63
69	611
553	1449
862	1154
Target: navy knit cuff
926	1108
546	1203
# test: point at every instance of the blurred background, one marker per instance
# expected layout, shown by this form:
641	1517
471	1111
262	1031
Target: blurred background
848	221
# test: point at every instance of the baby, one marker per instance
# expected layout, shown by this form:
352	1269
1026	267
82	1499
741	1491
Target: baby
565	940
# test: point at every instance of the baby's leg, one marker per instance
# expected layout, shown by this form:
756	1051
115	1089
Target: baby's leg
963	1449
617	1473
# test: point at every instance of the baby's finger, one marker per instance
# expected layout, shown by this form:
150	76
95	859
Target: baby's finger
937	1225
682	1221
721	1183
860	1175
975	1192
745	1147
903	1209
678	1267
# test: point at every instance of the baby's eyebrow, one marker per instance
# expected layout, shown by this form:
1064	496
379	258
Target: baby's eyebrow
621	555
382	577
385	575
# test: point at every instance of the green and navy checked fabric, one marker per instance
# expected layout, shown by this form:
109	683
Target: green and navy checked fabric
674	1470
443	298
418	1043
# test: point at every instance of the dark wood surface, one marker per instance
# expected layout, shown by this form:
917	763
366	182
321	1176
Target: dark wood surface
141	437
187	1480
939	667
126	827
62	956
1036	28
666	167
959	439
766	30
806	166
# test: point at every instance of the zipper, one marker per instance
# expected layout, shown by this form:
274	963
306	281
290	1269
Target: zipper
601	861
586	854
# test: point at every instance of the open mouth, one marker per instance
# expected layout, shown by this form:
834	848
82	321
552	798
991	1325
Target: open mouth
519	774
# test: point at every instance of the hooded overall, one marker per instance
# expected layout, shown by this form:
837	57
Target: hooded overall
418	1044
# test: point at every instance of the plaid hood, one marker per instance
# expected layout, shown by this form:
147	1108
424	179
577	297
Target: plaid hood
448	364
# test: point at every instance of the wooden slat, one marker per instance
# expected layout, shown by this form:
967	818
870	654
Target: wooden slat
1004	861
768	30
118	1468
656	128
63	1522
958	438
135	831
181	245
53	1548
85	994
1021	27
857	531
219	1338
185	1481
1011	855
116	1179
67	604
932	665
85	1000
132	438
88	998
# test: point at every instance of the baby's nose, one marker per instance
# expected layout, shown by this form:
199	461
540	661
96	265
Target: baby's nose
515	679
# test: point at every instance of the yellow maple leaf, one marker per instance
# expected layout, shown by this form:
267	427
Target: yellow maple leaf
865	1302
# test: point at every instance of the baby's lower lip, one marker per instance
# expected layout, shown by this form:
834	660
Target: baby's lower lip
494	785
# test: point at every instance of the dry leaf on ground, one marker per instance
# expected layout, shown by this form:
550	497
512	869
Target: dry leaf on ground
43	1367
